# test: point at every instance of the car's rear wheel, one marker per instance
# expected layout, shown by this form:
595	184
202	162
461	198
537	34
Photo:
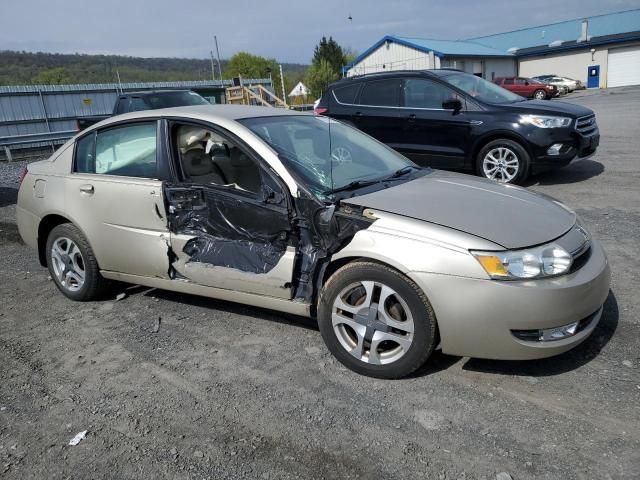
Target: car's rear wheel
376	321
504	161
72	264
540	94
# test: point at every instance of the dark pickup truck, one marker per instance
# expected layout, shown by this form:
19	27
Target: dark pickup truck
146	100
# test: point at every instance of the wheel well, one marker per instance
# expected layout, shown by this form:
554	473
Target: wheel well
47	224
497	136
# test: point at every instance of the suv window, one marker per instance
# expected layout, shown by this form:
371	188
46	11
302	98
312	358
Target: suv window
383	93
347	94
508	81
137	104
123	104
421	93
128	151
521	81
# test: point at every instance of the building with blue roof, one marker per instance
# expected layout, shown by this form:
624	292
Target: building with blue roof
601	51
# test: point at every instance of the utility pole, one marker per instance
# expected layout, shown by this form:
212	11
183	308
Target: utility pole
284	96
215	39
213	71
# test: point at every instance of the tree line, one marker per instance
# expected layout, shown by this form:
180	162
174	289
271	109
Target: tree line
20	68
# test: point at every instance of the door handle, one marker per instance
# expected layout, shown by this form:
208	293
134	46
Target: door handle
358	114
412	117
88	189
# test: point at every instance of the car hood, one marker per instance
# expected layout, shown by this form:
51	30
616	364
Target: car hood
510	216
545	107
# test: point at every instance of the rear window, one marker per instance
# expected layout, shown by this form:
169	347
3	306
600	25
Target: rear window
383	93
347	94
175	99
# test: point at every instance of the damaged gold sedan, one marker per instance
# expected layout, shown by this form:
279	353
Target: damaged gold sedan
306	215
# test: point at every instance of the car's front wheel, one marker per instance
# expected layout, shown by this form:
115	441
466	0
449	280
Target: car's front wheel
376	321
72	264
540	94
504	161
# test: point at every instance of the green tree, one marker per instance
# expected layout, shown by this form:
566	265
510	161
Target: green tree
319	76
52	76
248	66
331	52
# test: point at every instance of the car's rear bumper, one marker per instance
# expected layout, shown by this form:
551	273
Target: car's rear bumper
27	226
481	318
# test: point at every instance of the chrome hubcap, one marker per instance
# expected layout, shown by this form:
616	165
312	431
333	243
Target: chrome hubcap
372	322
540	96
68	264
501	164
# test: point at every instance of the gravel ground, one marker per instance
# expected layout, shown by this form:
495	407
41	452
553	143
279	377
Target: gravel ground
177	386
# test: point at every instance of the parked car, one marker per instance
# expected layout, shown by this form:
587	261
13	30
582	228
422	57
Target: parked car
556	80
145	100
303	214
450	119
527	87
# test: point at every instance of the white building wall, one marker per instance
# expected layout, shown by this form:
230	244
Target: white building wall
572	64
499	67
392	56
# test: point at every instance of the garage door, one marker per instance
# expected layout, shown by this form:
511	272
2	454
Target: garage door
624	67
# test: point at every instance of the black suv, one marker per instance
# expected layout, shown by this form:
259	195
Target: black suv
450	119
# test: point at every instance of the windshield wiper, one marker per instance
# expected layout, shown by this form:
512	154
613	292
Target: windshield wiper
355	184
403	171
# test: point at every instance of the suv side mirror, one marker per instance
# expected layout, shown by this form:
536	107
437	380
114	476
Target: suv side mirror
452	104
526	83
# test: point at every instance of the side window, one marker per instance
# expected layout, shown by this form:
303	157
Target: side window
521	81
421	93
84	161
508	81
128	151
137	104
123	105
383	93
347	94
208	157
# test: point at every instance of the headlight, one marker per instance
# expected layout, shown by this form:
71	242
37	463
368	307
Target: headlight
545	121
538	262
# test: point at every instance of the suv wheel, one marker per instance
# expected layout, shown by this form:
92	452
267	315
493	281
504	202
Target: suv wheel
376	321
504	161
540	95
72	265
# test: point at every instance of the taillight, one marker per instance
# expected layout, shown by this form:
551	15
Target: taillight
23	174
320	110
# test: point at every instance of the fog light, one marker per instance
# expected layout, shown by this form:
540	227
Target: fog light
554	149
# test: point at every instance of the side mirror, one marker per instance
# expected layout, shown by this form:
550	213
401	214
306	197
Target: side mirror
526	83
452	104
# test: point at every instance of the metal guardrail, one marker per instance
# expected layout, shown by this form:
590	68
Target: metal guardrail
34	138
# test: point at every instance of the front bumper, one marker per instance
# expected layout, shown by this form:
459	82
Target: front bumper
476	318
574	146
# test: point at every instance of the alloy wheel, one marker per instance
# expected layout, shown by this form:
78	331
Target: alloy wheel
372	322
68	264
501	164
540	95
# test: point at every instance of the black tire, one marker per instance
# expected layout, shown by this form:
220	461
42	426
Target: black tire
424	321
540	95
94	284
519	151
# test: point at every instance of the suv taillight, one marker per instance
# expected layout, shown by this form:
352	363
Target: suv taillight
320	110
23	174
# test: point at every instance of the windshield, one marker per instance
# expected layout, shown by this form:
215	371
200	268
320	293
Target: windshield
481	89
175	99
328	155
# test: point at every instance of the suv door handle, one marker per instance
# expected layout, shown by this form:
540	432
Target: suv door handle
87	188
358	114
412	117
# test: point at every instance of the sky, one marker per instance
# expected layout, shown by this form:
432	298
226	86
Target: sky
284	30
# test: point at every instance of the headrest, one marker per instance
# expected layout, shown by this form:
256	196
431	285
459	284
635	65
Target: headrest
191	138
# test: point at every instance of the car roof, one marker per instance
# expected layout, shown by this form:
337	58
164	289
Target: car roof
154	92
214	113
438	72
